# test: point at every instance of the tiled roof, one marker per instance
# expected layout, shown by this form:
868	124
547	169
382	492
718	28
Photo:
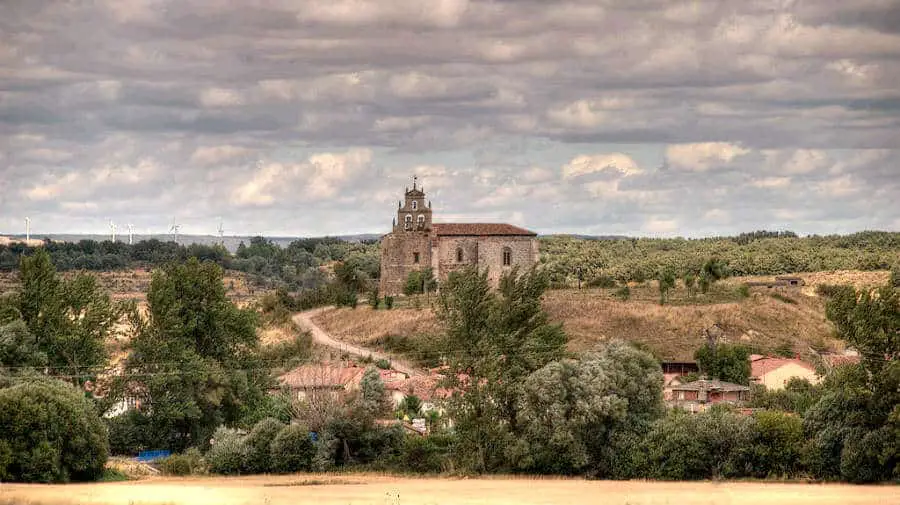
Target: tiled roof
322	376
479	229
764	365
709	385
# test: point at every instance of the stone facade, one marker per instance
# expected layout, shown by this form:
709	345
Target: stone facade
416	243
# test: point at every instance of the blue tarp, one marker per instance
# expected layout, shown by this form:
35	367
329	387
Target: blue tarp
145	456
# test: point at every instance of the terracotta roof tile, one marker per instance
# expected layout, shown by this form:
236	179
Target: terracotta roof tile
762	366
479	229
317	376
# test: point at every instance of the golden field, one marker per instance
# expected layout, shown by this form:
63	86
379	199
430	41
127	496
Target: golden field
389	490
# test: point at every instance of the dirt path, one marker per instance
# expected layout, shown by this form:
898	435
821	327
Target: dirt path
320	336
377	489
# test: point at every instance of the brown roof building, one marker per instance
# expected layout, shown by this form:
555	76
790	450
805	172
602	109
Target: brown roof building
416	243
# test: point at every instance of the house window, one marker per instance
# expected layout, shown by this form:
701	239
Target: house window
459	255
416	258
507	256
415	205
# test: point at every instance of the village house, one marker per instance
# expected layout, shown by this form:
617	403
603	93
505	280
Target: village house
774	372
415	243
698	395
337	379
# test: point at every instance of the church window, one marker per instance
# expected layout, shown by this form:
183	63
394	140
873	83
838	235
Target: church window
420	220
507	256
408	221
416	258
415	204
459	255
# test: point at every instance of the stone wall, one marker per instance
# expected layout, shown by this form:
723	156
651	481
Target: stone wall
486	252
397	255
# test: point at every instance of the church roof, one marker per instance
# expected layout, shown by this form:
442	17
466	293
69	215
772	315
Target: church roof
479	229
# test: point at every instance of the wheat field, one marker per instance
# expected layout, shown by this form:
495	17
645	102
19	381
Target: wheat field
388	490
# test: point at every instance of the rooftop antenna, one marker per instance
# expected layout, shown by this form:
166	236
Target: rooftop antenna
27	229
112	231
130	234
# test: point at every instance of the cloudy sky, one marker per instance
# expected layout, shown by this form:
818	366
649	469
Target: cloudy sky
293	117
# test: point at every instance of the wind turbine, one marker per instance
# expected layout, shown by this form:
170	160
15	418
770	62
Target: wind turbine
174	230
27	229
130	234
112	230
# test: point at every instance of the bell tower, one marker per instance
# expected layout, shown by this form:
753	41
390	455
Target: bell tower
414	213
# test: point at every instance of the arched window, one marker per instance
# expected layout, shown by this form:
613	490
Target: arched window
459	255
420	220
408	221
507	256
415	204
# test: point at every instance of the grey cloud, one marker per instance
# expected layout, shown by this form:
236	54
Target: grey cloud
488	90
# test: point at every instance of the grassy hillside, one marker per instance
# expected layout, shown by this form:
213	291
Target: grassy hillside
767	320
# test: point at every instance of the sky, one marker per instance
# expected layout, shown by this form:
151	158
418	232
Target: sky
310	117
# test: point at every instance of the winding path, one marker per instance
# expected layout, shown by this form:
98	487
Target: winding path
305	321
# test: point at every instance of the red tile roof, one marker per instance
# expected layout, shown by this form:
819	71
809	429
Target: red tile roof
323	376
764	365
479	229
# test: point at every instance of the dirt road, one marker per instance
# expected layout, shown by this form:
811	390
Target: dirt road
358	490
319	336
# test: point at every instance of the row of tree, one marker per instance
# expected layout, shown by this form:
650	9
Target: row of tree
759	253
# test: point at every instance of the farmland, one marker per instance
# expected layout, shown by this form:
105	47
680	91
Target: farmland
350	489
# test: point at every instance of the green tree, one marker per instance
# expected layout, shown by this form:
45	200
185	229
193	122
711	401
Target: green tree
498	339
19	348
70	319
727	362
690	281
195	359
574	413
259	445
666	281
50	433
854	428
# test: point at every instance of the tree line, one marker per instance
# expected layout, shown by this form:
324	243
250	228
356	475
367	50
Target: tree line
519	401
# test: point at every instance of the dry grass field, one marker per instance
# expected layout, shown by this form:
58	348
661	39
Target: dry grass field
673	331
387	490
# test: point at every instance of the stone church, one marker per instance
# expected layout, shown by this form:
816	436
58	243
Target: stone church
416	243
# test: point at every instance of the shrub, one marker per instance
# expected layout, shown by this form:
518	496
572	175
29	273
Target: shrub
292	450
373	298
228	452
51	433
602	281
383	364
429	454
389	302
289	354
189	463
743	291
623	293
130	433
259	445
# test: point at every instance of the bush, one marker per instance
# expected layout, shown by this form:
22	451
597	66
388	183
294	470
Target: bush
292	450
189	463
130	433
602	281
259	445
383	364
743	291
373	298
429	454
623	293
51	433
289	354
389	302
228	452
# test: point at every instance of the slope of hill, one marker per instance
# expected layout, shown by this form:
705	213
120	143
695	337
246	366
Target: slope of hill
767	320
